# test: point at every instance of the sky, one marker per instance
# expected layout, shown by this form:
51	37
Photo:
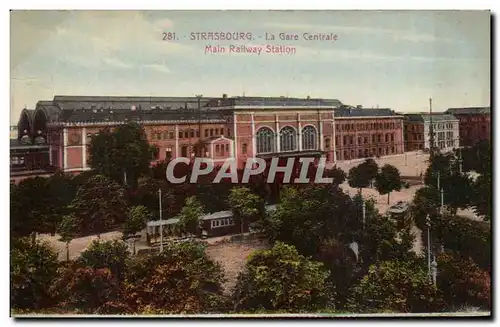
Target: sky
391	59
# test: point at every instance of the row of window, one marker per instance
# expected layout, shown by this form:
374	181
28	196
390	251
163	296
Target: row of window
219	149
365	126
376	138
442	125
17	160
216	223
185	134
266	139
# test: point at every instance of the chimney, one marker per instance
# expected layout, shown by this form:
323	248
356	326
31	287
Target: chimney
224	96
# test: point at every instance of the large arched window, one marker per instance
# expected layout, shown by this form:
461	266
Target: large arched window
265	140
288	139
309	138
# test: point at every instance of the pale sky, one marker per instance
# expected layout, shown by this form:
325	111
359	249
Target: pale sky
390	59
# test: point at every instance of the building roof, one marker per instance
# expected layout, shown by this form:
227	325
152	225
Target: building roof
111	115
348	111
469	111
217	215
171	221
17	144
425	117
273	102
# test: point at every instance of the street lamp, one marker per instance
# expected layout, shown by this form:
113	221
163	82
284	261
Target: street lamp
428	221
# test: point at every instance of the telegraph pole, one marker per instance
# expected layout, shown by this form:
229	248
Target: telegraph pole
161	221
442	201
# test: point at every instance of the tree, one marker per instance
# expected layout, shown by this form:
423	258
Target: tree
462	282
308	215
136	221
68	230
280	279
395	286
425	203
33	267
338	175
245	205
362	175
189	218
440	165
28	216
457	192
89	290
181	279
481	199
123	151
100	203
112	255
388	180
147	195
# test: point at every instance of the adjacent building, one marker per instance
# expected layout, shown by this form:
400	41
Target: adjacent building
362	133
418	131
474	122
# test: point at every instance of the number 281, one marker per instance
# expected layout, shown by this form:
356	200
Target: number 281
168	36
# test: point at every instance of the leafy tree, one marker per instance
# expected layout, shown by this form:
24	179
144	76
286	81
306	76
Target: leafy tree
147	195
462	282
28	208
68	230
482	198
281	279
125	150
388	180
439	165
245	205
465	237
181	279
89	290
396	286
136	222
457	192
189	218
425	203
61	192
112	255
99	203
362	175
338	175
33	268
306	216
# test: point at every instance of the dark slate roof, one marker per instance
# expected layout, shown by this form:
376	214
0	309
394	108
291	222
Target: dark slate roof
125	103
425	117
469	111
107	115
18	144
274	102
51	111
346	111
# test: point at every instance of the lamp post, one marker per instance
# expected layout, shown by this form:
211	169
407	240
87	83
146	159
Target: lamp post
363	208
442	202
161	221
428	245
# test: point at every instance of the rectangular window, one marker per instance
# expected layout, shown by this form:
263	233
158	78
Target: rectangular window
217	149
180	134
227	148
168	154
198	133
206	133
211	132
217	132
184	151
170	135
192	133
228	132
244	148
359	140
